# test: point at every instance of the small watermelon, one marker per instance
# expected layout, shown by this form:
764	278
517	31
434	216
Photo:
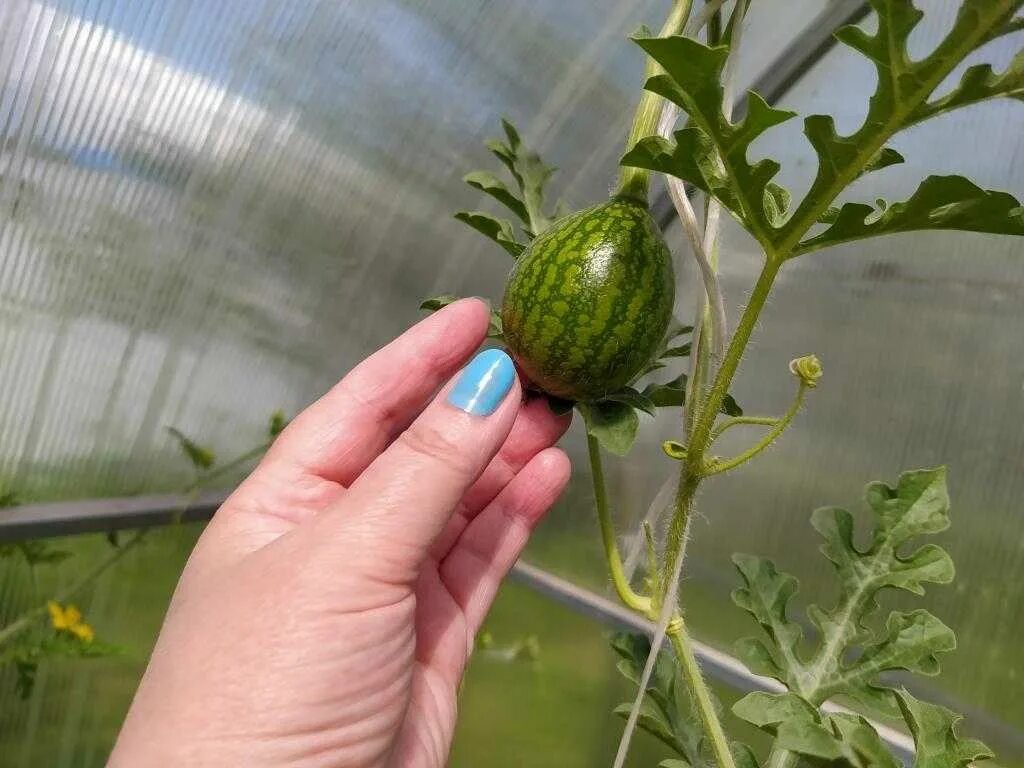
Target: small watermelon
589	301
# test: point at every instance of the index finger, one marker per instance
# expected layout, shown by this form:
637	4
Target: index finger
338	436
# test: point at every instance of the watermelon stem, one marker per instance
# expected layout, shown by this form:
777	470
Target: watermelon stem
634	182
631	599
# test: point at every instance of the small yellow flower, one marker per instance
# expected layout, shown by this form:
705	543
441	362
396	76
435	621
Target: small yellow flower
69	619
83	632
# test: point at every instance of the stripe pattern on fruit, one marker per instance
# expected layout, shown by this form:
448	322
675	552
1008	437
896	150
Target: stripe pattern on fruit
587	304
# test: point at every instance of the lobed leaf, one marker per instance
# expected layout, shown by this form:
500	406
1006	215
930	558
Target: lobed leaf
498	230
613	424
978	83
630	396
917	506
936	744
666	712
530	173
839	739
671	394
711	153
905	85
941	202
490	184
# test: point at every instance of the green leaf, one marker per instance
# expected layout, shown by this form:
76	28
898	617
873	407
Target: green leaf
495	329
675	330
530	173
730	407
666	711
34	552
743	755
883	158
277	423
844	739
612	424
861	741
941	202
202	458
850	657
630	396
979	83
671	394
438	302
9	499
673	763
776	203
771	709
490	184
683	350
693	80
498	230
935	740
795	723
905	84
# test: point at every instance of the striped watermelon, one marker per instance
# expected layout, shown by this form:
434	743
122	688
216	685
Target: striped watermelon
588	302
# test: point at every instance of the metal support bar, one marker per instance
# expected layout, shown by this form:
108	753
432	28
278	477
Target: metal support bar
65	518
784	72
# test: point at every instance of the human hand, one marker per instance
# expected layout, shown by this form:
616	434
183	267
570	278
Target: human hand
326	614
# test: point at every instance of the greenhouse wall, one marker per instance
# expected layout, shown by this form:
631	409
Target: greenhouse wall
209	212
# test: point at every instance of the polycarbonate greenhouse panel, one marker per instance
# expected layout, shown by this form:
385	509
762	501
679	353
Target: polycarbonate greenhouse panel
211	210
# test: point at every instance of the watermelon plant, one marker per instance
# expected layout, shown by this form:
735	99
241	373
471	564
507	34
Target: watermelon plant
587	316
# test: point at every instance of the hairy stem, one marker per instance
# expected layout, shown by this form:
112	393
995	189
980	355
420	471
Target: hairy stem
724	465
634	182
700	694
736	421
704	422
611	549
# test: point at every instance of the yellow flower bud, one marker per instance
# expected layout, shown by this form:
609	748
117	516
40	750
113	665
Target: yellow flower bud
807	369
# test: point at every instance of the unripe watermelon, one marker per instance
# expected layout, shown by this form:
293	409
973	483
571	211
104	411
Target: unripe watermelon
589	301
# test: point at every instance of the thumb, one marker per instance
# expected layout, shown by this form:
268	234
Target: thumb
397	507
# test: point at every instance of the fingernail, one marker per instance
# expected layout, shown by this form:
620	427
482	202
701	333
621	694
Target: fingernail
484	383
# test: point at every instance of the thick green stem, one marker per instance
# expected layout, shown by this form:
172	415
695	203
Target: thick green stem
633	182
724	465
611	548
700	437
700	694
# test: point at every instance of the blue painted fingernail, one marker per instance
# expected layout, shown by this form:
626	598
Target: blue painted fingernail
484	383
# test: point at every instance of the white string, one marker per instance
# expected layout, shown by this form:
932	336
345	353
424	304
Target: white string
671	594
